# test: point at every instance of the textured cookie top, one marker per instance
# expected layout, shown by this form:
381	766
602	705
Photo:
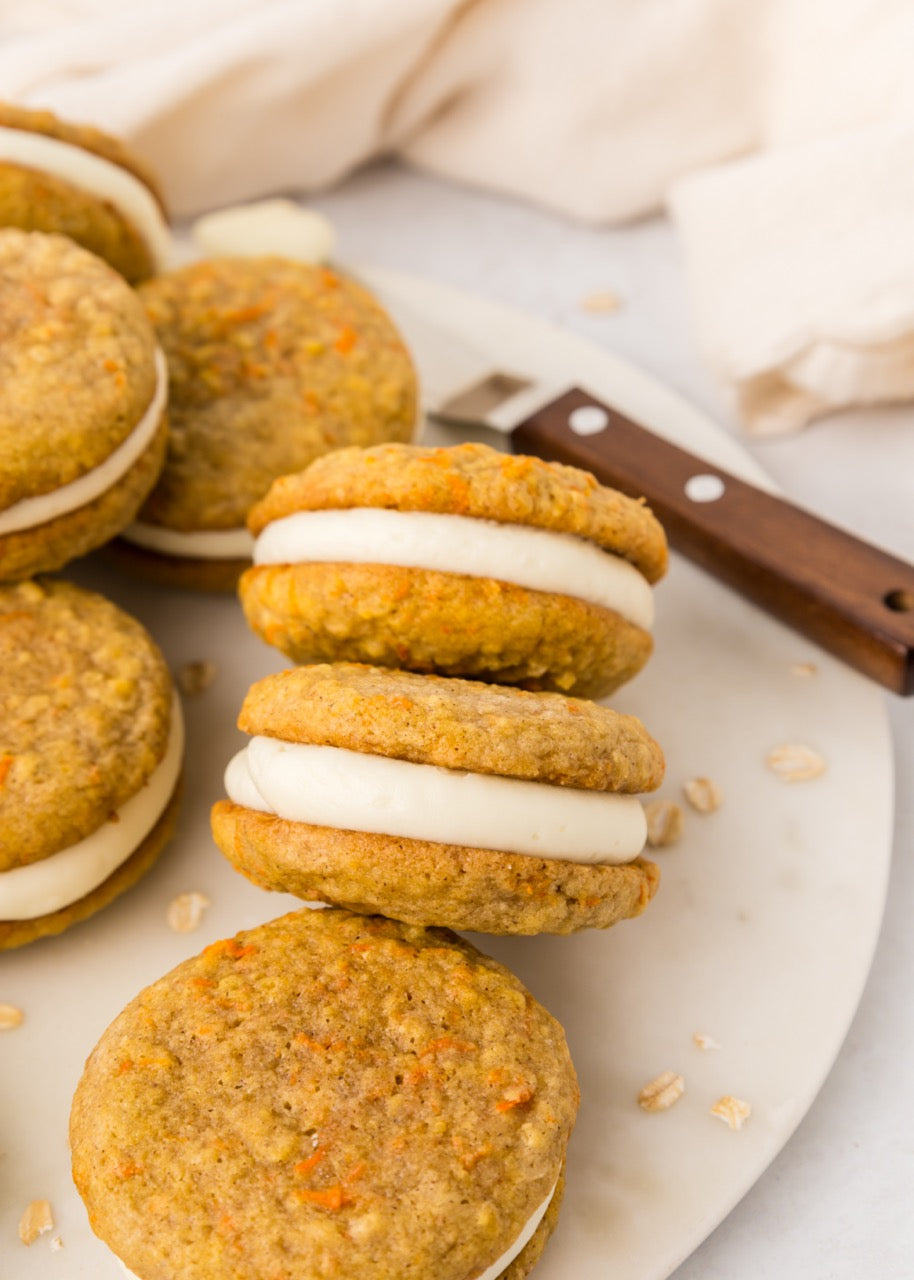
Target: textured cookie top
85	708
457	724
271	363
324	1095
474	480
79	135
77	369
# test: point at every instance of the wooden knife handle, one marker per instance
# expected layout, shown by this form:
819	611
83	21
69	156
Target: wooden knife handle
848	596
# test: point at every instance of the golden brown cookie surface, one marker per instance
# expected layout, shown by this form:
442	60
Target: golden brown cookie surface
77	368
456	724
256	342
85	710
325	1094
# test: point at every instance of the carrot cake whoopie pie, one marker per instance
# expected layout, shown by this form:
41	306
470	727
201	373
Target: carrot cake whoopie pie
441	801
462	561
82	183
327	1095
272	362
91	744
83	391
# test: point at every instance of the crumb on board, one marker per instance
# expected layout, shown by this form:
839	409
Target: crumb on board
803	670
660	1093
794	762
664	823
733	1111
704	1042
702	794
56	1244
603	300
186	911
10	1017
196	677
35	1221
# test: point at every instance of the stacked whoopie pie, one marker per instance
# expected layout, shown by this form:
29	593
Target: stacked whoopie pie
358	1090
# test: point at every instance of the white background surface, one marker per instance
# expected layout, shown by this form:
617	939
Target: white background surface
836	1204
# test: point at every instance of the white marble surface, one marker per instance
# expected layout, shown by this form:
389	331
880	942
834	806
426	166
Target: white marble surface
835	1205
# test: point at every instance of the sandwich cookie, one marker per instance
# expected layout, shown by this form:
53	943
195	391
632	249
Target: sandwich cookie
440	801
83	391
91	742
271	362
327	1095
84	184
462	561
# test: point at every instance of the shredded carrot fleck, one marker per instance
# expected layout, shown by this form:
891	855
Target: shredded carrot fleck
6	763
130	1169
124	1065
230	947
346	340
356	1171
361	946
330	279
330	1198
448	1042
305	1166
522	1095
202	982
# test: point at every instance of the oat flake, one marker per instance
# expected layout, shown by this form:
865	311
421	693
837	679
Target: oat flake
186	911
733	1111
662	1092
702	794
35	1221
794	762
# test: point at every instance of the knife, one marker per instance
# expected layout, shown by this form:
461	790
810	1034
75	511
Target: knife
853	599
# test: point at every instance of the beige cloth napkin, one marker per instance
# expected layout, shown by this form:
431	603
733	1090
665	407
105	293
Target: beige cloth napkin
779	132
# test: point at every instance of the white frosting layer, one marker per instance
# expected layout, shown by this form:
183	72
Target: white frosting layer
526	1235
194	544
96	175
31	512
42	887
333	787
491	1273
534	558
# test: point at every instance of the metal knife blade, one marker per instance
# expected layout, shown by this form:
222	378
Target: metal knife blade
850	597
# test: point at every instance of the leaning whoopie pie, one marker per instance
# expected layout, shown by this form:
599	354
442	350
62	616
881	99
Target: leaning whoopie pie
83	391
91	742
462	561
440	801
271	362
84	184
327	1095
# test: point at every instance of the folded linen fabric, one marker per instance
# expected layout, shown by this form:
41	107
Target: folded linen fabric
779	132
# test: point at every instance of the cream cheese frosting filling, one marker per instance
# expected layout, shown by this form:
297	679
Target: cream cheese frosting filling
28	513
491	1273
538	559
191	544
354	791
96	175
63	878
